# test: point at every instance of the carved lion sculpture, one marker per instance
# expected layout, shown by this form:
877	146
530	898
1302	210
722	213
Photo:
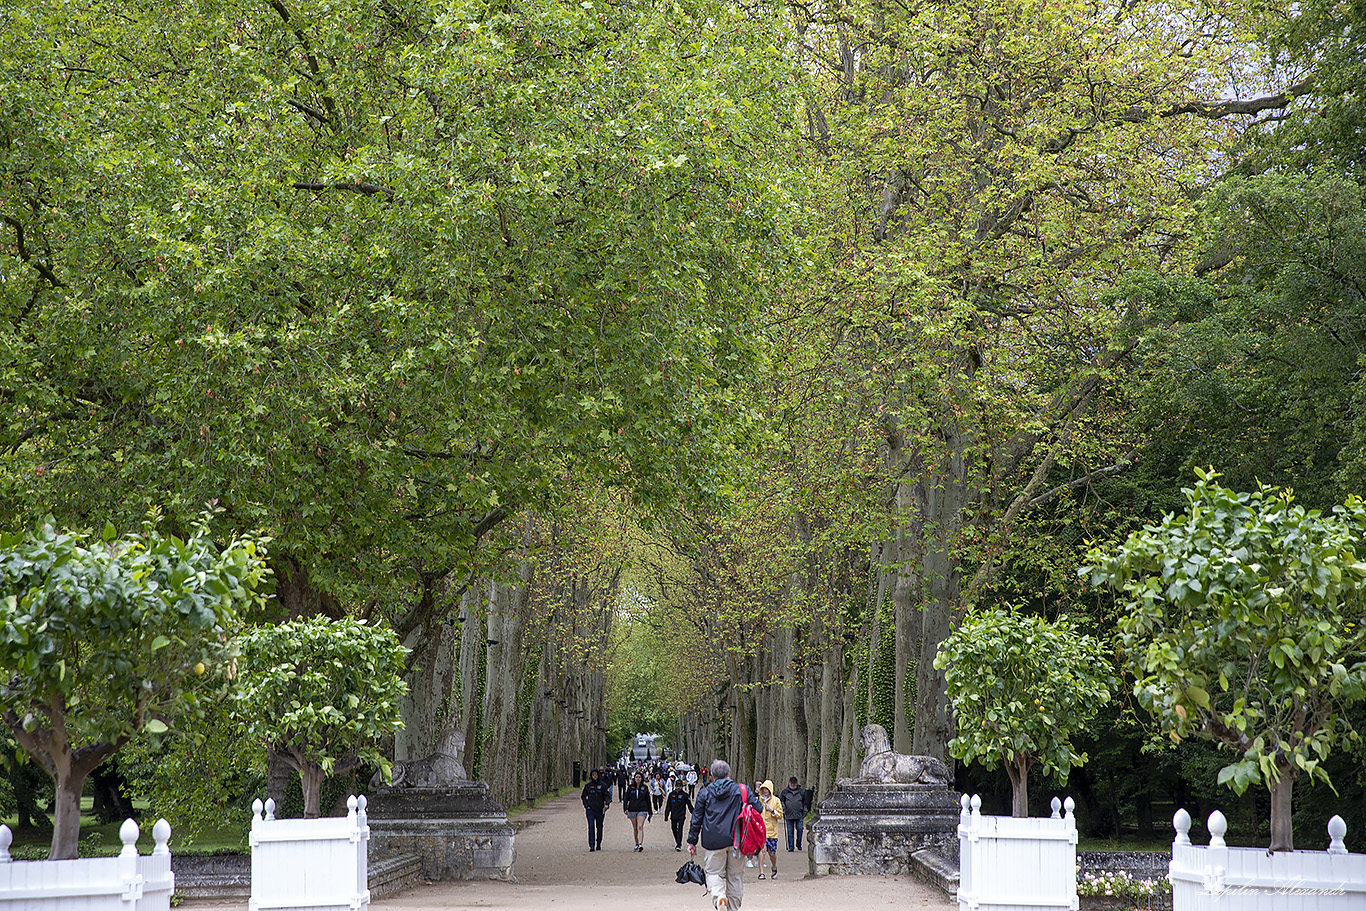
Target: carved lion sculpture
882	766
442	769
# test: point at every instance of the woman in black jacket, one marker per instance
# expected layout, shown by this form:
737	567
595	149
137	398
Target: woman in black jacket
635	803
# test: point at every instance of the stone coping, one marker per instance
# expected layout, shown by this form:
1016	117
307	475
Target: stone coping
222	876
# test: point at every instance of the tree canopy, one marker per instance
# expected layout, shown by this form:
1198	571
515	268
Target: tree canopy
1244	625
321	694
106	639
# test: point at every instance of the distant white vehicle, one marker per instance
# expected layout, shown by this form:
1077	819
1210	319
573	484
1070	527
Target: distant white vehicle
645	747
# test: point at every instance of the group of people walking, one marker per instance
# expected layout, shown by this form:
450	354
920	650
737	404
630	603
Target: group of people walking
640	800
714	815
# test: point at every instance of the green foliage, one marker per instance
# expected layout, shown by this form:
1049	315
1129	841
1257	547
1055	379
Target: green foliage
637	688
321	693
1021	687
115	635
1243	625
882	672
104	639
379	274
199	778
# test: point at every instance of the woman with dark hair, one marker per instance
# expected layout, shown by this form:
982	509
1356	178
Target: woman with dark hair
638	806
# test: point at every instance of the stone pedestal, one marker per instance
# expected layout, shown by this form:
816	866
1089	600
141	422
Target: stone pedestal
459	832
875	828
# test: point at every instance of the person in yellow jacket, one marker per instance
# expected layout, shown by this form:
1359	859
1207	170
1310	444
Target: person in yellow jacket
773	811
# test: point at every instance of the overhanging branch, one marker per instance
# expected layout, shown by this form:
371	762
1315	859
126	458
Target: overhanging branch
353	186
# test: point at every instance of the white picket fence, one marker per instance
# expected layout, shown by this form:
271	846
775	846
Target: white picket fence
1215	877
1009	864
310	864
129	882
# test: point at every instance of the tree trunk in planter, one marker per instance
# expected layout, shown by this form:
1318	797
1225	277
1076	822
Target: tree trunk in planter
1018	772
1282	833
312	779
50	749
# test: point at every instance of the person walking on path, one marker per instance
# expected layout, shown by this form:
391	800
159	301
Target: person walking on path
773	811
676	811
713	825
793	799
636	804
597	797
656	791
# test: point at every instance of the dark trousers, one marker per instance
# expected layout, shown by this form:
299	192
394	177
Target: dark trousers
794	825
677	823
595	827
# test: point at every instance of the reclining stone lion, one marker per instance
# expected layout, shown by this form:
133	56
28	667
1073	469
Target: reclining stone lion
442	769
882	766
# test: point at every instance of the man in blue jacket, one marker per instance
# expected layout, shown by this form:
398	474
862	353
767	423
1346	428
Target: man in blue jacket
713	823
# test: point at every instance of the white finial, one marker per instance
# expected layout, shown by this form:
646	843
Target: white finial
128	834
1181	821
351	808
976	804
1068	806
256	806
270	809
1337	831
1218	825
6	839
161	833
1056	804
362	818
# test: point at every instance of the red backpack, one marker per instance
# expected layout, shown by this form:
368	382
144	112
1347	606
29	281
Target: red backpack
750	830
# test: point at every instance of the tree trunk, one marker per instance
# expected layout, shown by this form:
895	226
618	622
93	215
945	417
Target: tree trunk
1018	772
1282	834
945	499
66	823
311	779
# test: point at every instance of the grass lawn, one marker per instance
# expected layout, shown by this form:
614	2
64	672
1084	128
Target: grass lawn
1124	844
103	838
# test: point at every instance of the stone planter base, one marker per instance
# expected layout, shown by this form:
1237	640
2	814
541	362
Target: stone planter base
459	833
868	829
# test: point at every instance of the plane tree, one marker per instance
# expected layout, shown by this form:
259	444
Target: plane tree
379	275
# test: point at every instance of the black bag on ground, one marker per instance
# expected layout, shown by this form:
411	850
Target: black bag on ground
691	873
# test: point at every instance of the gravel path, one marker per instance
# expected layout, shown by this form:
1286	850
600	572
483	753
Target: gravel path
555	870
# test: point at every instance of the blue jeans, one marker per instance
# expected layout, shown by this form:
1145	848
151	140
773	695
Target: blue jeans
595	827
794	825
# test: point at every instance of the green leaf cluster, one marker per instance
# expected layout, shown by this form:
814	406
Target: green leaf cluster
104	638
1021	687
321	693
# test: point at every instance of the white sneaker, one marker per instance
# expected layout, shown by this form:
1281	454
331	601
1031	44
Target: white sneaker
749	863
